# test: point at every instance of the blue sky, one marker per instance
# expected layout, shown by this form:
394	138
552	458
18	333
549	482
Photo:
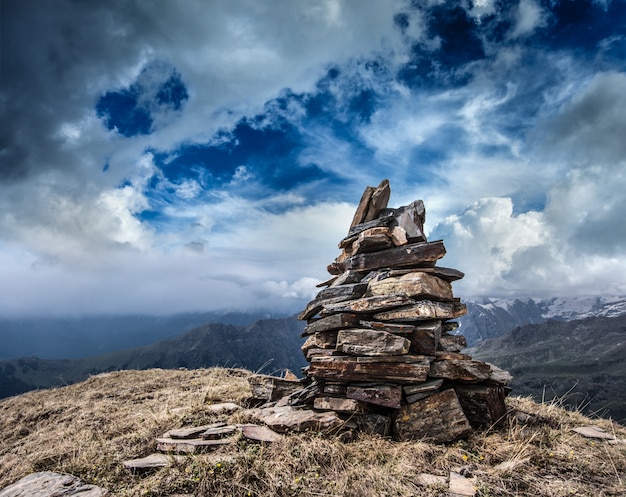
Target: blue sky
160	157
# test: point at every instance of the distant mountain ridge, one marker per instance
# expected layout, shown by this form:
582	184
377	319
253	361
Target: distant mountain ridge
492	317
267	345
582	361
83	336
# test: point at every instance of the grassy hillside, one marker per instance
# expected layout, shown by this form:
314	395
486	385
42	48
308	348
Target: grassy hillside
88	429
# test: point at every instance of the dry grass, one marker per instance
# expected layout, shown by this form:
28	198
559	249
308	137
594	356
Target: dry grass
88	430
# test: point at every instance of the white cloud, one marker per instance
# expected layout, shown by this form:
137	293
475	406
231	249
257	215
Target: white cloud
484	240
529	17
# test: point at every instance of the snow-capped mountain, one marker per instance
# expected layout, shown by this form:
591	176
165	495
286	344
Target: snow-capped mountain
491	317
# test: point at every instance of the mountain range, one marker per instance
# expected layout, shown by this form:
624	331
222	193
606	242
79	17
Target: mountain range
580	364
83	336
492	317
568	348
268	346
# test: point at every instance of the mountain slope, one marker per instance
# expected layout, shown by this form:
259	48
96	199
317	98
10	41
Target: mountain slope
270	344
583	360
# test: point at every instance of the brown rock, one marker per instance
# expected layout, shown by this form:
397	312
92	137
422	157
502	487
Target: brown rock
367	305
398	236
423	310
372	240
396	329
265	387
260	433
483	405
414	284
460	369
397	369
218	432
284	419
153	461
371	343
438	418
452	343
332	322
381	395
339	405
424	254
192	432
425	337
364	203
189	446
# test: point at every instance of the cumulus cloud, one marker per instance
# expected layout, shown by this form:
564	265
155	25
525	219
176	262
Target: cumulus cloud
485	240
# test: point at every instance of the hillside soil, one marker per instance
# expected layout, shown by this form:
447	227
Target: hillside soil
89	429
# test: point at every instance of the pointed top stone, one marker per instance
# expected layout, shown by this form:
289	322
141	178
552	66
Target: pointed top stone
372	202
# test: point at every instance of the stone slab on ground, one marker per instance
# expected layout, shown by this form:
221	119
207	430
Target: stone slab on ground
48	484
260	433
460	486
191	432
594	432
284	419
223	408
190	446
428	480
153	461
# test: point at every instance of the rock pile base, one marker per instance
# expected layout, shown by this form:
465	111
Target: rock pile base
384	352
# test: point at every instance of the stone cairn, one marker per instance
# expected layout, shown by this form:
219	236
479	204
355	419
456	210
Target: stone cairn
383	351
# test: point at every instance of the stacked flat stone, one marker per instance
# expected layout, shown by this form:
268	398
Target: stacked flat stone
381	340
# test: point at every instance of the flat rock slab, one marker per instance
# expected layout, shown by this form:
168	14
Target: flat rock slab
153	461
260	433
223	408
371	343
338	404
397	369
461	486
284	419
382	395
191	432
219	432
415	284
424	310
49	484
594	432
483	404
428	480
333	322
192	446
266	387
460	369
408	255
